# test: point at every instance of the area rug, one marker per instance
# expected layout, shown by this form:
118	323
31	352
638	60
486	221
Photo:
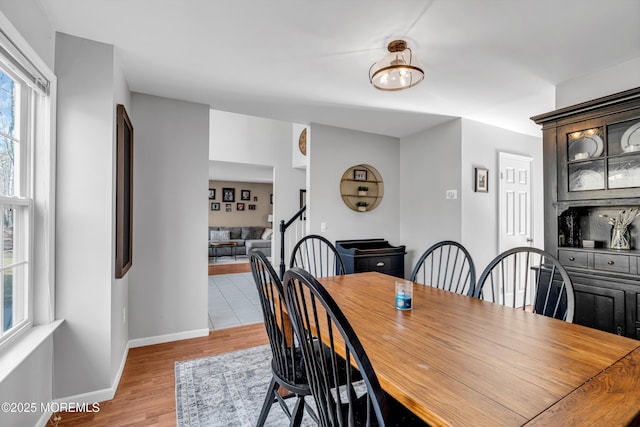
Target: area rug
227	390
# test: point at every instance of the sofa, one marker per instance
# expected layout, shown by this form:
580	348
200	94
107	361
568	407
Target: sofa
246	237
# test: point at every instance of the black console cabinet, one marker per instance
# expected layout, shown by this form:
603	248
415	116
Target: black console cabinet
372	255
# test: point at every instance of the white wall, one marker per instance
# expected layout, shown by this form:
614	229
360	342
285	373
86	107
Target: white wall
429	166
246	139
611	80
84	213
34	26
331	152
240	172
443	158
119	287
168	277
31	380
481	144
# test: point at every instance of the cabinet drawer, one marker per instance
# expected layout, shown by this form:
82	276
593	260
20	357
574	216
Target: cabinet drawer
383	264
573	258
611	262
392	265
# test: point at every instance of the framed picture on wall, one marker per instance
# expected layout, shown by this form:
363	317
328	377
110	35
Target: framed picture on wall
255	198
215	206
360	174
228	194
124	192
245	195
240	206
252	207
482	180
212	194
227	207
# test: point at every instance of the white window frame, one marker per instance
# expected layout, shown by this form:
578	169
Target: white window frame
20	61
22	204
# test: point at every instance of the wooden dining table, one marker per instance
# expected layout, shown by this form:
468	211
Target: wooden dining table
457	360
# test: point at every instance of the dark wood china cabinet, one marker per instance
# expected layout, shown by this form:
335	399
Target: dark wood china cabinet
591	181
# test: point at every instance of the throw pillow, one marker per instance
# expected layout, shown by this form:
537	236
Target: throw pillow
256	232
236	232
267	234
219	235
246	231
252	233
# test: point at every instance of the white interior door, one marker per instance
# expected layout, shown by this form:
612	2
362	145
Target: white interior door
515	208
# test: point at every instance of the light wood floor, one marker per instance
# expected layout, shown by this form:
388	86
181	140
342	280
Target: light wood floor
243	267
146	393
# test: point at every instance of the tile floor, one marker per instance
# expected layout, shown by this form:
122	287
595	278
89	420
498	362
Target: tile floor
233	301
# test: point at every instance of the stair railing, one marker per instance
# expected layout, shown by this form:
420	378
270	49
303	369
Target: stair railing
298	220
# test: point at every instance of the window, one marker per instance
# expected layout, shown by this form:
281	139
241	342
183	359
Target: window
15	202
25	129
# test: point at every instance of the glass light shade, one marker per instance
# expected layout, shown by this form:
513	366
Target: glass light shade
398	70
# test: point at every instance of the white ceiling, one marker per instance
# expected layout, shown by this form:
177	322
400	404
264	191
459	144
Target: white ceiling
304	61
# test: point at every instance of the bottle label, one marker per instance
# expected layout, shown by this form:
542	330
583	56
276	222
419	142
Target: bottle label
403	302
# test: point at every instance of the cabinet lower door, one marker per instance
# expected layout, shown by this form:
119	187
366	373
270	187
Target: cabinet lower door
599	308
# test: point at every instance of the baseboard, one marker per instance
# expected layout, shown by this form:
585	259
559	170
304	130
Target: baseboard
44	419
99	395
159	339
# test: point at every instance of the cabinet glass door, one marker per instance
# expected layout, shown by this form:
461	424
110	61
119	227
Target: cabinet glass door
586	165
623	147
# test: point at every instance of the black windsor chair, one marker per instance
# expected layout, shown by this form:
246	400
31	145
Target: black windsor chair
287	362
317	319
318	256
531	279
446	265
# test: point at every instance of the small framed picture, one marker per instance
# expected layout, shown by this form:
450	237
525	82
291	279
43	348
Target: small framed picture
482	180
255	198
240	206
215	206
252	207
245	195
228	194
212	194
227	207
360	174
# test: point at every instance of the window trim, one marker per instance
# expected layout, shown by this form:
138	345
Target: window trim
21	201
41	239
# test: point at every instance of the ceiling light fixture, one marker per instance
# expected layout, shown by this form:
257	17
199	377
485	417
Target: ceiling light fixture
398	70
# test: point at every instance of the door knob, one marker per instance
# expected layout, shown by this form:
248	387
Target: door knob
529	240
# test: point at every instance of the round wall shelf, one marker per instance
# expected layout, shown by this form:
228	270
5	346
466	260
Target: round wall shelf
354	196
